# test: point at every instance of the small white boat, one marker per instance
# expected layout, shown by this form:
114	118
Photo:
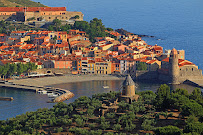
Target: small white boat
105	87
42	92
51	95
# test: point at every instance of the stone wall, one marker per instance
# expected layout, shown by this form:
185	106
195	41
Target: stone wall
64	97
164	78
49	17
53	70
182	79
146	75
186	71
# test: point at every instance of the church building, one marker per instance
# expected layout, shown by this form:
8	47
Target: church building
175	70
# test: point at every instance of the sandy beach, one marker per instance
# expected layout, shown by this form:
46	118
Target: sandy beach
47	81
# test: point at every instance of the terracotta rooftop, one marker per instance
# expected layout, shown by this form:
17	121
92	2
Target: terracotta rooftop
31	9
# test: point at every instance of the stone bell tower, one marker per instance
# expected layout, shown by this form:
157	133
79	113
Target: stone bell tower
173	67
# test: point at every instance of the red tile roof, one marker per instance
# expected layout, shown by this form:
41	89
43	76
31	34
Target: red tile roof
31	9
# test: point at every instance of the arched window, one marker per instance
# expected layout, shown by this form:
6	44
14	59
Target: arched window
192	69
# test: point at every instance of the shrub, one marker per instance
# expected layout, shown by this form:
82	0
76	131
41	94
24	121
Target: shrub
194	127
168	130
109	133
129	127
92	126
78	131
104	125
116	127
80	122
148	125
141	66
192	108
58	130
110	115
95	132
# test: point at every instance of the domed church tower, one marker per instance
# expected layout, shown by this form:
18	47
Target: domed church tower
173	67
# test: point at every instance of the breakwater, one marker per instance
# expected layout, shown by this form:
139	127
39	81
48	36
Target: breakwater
59	95
6	98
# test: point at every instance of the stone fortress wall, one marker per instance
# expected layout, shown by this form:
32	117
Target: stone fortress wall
39	13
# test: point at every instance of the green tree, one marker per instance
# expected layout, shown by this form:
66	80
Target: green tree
192	108
181	92
197	95
194	127
58	130
110	115
176	100
148	124
141	66
51	28
168	130
57	23
65	28
109	29
20	69
116	127
80	122
129	127
77	17
90	110
148	97
162	96
92	125
82	25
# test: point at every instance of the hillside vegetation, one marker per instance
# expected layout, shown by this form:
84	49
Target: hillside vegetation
165	112
20	3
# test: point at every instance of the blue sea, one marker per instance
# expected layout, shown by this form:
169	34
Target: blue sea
178	23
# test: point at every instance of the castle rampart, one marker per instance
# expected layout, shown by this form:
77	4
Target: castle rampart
30	14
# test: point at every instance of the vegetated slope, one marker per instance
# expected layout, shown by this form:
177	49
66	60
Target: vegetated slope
20	3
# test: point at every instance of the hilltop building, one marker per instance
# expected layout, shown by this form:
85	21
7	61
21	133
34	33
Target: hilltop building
48	14
128	92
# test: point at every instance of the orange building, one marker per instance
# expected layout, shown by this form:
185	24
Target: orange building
63	64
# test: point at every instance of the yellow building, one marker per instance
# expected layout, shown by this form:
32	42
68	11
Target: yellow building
106	47
103	67
91	66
